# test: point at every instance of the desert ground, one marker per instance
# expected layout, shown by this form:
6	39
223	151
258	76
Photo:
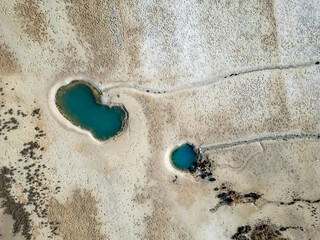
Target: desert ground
238	79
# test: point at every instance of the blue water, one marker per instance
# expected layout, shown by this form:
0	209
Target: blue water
78	104
184	156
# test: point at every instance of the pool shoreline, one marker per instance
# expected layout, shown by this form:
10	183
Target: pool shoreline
195	149
97	92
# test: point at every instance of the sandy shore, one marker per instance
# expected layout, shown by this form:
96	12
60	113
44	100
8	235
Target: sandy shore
208	73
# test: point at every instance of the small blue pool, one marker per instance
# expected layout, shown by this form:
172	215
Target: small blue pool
79	102
184	156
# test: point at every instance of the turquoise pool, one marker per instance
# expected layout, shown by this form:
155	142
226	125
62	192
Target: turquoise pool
184	156
79	102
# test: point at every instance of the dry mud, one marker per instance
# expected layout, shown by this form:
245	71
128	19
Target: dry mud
232	77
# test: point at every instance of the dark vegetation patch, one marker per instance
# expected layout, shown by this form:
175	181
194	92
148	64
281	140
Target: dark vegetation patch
310	206
36	188
9	117
296	200
29	150
8	120
201	169
36	113
31	168
262	230
7	125
175	179
20	217
230	197
265	232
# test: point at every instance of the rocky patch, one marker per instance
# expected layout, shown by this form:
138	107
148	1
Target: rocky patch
260	231
201	169
230	197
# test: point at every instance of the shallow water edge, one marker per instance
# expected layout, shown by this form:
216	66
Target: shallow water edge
184	156
58	91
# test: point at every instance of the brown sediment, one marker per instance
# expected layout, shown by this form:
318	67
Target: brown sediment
20	216
76	219
162	16
161	225
33	21
132	33
111	34
270	40
277	101
8	62
92	22
140	198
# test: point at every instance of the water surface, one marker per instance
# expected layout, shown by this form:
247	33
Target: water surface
80	103
184	156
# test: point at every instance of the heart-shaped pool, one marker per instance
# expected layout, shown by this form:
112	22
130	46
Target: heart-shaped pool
80	103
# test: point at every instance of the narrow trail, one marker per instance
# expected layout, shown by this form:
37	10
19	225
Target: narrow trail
244	164
285	136
115	85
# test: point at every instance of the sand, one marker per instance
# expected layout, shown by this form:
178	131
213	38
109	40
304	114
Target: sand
204	72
